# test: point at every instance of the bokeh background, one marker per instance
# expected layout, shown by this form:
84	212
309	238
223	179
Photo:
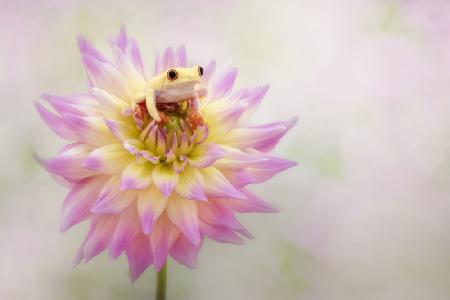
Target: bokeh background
365	215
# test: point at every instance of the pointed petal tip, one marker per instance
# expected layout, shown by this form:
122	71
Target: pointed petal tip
166	192
40	108
77	260
291	122
114	254
158	265
148	229
135	275
64	226
147	223
46	96
274	210
38	158
81	41
195	239
126	184
92	163
268	208
290	164
244	232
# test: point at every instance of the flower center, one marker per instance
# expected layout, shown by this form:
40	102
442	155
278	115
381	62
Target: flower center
169	141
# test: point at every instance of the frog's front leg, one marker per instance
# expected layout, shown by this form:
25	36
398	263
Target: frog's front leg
150	102
195	103
194	116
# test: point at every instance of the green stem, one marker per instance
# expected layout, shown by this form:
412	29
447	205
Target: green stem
161	283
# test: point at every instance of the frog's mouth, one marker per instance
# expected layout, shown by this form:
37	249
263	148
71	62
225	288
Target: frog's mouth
183	84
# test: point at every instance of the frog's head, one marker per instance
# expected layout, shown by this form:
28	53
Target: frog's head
176	77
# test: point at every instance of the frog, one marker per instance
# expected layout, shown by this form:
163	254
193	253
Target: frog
171	87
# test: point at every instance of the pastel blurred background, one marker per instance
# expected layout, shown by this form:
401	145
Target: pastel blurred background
365	215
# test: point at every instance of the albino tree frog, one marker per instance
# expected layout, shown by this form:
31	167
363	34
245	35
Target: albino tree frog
171	87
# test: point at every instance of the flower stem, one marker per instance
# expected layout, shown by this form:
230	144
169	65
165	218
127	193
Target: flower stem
161	283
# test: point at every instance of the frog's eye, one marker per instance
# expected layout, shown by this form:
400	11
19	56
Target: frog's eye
200	71
172	74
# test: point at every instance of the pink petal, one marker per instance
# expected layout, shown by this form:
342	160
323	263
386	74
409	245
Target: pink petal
216	185
121	130
168	59
164	234
136	176
150	156
267	169
68	163
244	232
209	71
158	64
92	130
111	199
190	184
140	256
251	204
218	215
225	83
225	120
204	155
134	146
237	159
150	204
262	138
259	171
84	103
252	99
78	202
106	77
63	182
128	227
183	213
110	159
185	252
100	236
126	67
220	234
87	48
165	178
76	104
239	177
110	105
135	55
121	40
57	124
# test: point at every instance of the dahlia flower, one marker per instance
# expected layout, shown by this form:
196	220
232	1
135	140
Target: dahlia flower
149	188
